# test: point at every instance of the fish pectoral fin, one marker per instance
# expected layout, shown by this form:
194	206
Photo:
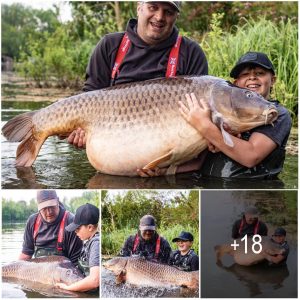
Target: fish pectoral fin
226	137
28	150
155	163
121	277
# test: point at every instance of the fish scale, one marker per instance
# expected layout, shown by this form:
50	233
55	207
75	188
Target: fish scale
139	271
138	125
47	270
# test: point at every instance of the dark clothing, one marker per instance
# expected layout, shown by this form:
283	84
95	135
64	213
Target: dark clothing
47	237
142	61
219	165
238	232
147	248
188	262
285	254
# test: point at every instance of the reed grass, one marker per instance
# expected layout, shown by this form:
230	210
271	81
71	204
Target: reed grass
278	41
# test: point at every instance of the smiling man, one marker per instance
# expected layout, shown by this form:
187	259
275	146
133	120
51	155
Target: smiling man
45	232
147	242
151	47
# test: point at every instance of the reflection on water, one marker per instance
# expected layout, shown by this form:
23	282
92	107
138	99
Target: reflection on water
60	165
219	210
257	276
109	289
12	239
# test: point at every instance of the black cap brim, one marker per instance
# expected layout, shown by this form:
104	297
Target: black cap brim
179	239
235	72
72	227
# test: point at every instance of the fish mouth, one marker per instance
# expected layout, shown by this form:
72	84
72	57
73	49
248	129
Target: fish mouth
271	115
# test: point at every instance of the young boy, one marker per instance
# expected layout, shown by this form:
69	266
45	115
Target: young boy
85	225
260	153
184	258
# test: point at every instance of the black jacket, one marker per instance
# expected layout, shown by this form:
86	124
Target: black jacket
142	61
147	248
188	262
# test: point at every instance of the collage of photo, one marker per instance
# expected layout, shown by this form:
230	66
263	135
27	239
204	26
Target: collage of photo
149	149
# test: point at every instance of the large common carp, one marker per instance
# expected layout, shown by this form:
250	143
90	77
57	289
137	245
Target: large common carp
268	247
139	271
138	125
46	270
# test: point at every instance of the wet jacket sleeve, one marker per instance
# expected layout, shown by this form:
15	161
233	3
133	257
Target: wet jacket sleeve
98	72
28	242
72	246
235	229
127	247
165	251
195	263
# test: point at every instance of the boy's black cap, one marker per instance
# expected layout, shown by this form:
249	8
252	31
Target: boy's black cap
85	214
252	58
183	236
280	231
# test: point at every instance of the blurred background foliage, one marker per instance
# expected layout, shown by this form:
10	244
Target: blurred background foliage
13	211
52	52
174	212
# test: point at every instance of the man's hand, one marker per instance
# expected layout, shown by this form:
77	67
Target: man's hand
62	285
195	113
77	138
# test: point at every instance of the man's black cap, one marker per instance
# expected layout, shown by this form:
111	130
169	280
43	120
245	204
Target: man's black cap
85	214
280	231
252	58
147	222
184	236
175	4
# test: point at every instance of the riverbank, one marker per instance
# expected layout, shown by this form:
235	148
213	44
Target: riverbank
16	88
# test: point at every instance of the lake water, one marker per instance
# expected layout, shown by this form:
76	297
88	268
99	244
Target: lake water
60	165
219	210
12	239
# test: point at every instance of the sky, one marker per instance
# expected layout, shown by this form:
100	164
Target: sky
65	10
27	195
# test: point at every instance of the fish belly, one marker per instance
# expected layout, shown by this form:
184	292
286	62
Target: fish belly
118	151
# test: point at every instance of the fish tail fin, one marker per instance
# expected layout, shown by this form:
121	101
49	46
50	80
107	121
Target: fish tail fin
20	129
28	150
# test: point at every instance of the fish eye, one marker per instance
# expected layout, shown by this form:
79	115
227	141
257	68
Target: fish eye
68	272
249	94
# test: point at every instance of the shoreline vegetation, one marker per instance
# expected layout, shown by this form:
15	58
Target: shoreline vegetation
50	53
